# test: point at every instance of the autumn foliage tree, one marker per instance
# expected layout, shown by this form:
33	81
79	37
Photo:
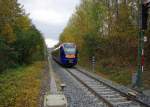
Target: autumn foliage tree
20	41
108	30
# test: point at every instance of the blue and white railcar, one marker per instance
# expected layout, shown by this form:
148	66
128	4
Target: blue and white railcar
66	54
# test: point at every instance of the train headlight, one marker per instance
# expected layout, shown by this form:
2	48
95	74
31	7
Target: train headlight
70	56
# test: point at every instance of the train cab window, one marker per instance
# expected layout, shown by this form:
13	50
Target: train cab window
69	48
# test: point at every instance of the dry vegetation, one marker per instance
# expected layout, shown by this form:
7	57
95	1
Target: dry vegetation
21	87
107	29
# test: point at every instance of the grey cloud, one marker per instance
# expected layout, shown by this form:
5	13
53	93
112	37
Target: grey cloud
43	11
50	30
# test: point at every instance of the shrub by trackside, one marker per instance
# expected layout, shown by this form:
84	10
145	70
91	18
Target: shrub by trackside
21	87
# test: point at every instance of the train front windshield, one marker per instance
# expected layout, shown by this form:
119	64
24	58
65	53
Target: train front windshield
70	49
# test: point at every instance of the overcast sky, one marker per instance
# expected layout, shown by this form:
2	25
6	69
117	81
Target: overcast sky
50	16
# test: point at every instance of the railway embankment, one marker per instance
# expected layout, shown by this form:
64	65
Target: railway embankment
121	75
22	86
142	97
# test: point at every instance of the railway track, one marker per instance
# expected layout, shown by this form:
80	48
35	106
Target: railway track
109	95
76	93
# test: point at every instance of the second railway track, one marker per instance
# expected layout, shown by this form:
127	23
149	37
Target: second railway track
110	96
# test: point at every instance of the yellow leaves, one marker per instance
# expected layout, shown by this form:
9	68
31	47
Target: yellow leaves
21	87
23	22
29	91
8	34
68	38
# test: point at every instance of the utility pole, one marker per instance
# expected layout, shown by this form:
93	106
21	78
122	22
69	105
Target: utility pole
144	5
93	63
117	9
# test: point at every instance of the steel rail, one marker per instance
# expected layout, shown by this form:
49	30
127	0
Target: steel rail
114	88
105	100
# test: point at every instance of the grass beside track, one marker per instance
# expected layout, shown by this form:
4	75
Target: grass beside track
119	74
21	87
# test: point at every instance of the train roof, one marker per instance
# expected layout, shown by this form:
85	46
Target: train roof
62	45
71	44
68	43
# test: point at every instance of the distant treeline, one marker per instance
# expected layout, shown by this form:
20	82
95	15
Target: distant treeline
20	41
108	30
